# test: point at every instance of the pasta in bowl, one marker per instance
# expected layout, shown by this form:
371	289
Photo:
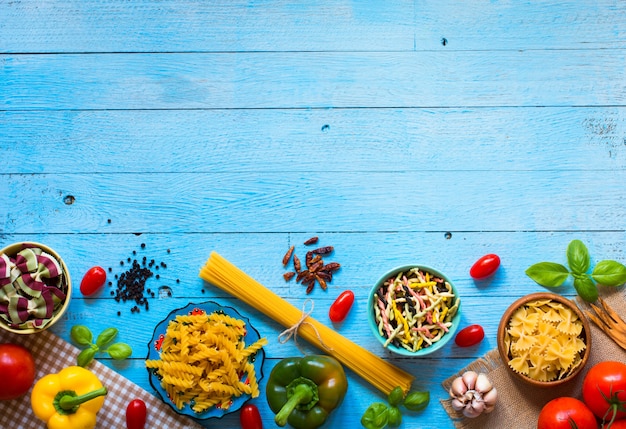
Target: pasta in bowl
544	339
205	360
414	310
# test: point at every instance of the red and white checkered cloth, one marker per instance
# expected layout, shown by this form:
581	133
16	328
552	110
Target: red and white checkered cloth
52	354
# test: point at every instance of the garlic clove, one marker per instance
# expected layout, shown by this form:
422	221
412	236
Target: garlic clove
469	377
483	384
457	404
473	409
490	399
458	387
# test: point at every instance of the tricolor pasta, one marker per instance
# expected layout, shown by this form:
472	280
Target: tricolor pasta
543	339
204	361
414	309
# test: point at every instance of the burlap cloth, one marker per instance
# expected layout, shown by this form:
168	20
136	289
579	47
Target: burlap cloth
519	404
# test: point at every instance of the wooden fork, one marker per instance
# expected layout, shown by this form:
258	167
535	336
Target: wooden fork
609	321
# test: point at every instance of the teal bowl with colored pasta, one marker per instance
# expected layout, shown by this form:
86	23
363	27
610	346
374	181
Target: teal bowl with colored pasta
414	310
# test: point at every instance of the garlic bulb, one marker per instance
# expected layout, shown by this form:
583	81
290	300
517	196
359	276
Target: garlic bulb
473	394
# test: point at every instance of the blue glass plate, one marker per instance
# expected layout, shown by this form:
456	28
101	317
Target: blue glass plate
154	352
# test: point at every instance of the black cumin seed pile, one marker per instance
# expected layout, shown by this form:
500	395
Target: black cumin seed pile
131	283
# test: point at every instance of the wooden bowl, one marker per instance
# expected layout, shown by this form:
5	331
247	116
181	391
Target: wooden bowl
65	285
585	335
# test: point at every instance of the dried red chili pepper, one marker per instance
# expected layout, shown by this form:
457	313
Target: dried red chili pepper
288	255
301	275
317	271
321	281
323	250
311	240
332	266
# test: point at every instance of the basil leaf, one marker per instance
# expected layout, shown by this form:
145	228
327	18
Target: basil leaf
578	257
394	417
106	337
548	274
396	396
86	356
376	416
417	401
119	351
81	335
586	288
609	273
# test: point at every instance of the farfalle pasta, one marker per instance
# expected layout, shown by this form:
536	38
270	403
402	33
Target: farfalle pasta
33	287
204	361
543	339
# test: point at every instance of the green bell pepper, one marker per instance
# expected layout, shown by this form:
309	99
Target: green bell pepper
303	391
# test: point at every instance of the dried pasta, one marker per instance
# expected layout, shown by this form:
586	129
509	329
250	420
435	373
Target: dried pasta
380	373
204	361
414	309
544	341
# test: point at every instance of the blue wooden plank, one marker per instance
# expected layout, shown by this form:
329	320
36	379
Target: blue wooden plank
269	140
193	26
324	201
313	80
496	26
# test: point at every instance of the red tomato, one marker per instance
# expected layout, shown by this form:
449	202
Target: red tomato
250	417
617	424
93	280
17	367
604	390
136	414
566	413
340	308
485	266
469	336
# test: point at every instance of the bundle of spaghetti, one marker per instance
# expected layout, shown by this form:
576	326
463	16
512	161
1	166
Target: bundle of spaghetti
379	373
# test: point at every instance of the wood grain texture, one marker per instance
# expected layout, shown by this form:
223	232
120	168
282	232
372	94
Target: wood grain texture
191	25
313	80
374	140
335	201
408	131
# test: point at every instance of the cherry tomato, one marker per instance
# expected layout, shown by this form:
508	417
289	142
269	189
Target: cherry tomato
136	414
17	367
604	390
250	417
566	413
340	308
485	266
93	280
469	336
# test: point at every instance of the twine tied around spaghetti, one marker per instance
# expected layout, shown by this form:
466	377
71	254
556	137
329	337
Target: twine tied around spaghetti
286	335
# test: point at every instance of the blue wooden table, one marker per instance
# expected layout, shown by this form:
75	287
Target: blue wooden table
398	132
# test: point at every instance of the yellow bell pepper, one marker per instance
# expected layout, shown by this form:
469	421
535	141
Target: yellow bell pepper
68	400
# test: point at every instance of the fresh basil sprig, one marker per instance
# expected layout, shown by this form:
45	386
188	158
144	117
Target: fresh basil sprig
380	415
82	336
552	274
